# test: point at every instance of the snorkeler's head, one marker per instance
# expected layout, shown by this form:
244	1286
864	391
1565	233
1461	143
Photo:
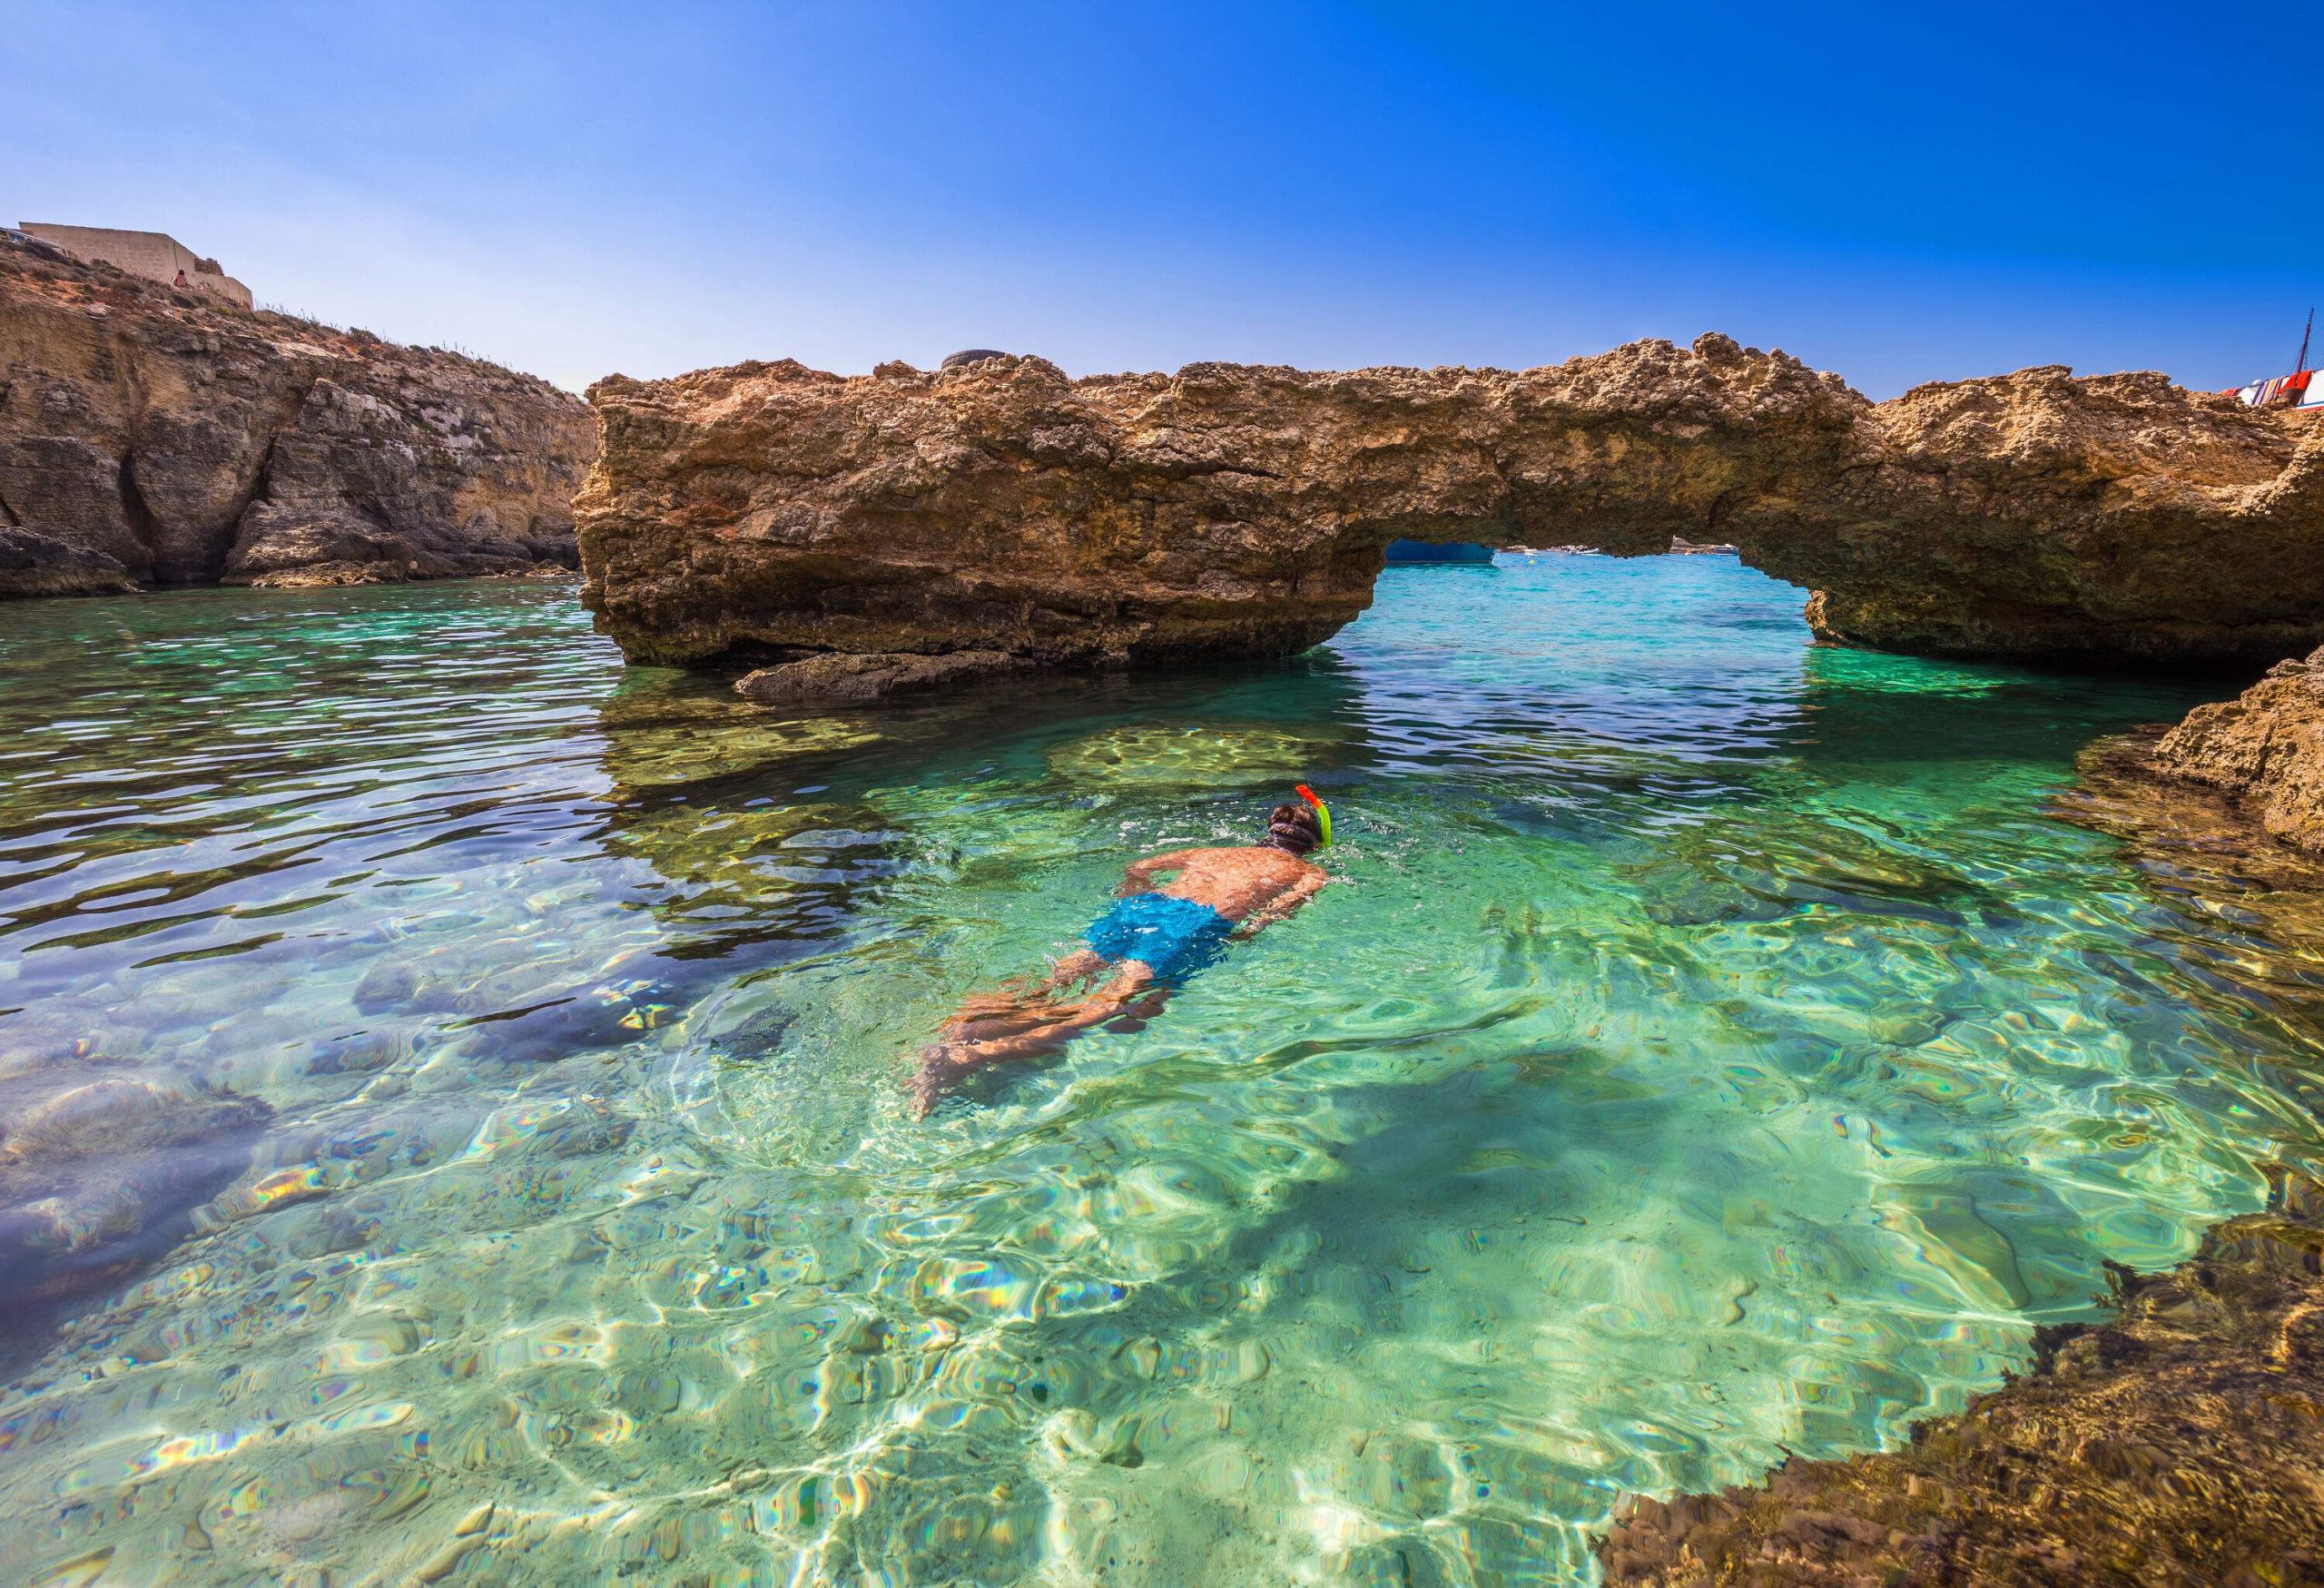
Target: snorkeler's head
1292	829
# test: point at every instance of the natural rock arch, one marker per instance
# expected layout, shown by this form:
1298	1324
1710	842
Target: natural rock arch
1241	510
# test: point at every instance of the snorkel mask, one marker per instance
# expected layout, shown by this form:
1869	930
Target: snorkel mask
1323	813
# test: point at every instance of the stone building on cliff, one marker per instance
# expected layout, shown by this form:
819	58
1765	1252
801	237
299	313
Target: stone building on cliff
155	256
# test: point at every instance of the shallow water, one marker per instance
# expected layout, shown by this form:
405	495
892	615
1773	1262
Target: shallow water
1712	1051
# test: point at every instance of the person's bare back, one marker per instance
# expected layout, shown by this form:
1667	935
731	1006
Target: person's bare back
1251	883
1160	932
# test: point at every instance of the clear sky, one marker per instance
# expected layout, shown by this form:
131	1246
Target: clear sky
1897	193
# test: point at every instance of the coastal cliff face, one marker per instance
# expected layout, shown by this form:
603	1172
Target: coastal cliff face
162	437
771	509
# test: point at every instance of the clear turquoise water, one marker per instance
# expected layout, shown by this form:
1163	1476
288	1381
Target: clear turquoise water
1712	1050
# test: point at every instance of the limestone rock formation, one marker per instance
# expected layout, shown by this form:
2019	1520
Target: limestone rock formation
842	677
2113	517
2264	749
1222	511
36	565
1240	511
188	441
2174	1449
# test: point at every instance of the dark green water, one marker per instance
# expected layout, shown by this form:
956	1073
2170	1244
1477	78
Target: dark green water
1711	1051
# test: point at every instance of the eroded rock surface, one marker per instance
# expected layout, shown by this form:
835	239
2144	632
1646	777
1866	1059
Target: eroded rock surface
2174	1446
1225	510
2112	517
2264	750
188	441
846	677
1241	511
36	565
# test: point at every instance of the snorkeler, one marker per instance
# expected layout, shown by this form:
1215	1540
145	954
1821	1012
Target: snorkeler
1142	949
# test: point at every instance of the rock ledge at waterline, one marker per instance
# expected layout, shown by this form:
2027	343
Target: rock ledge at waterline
773	511
2263	750
2174	1446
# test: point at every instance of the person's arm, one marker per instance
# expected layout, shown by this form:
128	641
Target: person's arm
1283	903
1138	877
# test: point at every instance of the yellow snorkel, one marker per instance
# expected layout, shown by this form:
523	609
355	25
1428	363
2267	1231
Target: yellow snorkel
1323	812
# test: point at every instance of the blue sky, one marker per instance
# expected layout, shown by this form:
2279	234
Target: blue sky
1897	193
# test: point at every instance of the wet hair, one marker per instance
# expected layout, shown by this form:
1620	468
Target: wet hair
1292	829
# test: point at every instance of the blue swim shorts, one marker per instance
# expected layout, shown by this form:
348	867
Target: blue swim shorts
1174	936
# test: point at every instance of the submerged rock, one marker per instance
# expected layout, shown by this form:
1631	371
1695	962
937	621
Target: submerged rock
101	1166
183	440
843	677
1241	511
2176	1446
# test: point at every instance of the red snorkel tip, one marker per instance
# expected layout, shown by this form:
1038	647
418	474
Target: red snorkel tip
1304	792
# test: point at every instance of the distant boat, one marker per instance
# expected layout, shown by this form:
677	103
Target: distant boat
2297	390
1456	551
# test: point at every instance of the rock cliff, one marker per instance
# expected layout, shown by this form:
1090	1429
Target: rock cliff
773	511
167	438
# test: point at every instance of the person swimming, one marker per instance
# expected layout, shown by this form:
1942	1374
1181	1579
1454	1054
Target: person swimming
1140	952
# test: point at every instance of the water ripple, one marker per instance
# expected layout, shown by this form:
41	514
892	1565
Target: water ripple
452	1123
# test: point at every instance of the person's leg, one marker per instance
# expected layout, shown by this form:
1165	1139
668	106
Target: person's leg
1022	1001
1031	1032
1130	982
1077	966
